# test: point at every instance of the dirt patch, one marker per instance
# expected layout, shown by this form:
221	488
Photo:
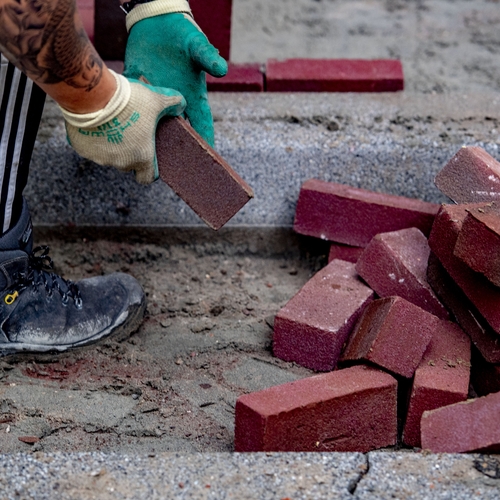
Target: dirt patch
172	386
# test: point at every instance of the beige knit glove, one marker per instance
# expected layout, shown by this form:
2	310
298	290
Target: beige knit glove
122	135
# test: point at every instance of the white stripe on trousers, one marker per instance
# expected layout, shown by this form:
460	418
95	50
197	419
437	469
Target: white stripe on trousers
8	131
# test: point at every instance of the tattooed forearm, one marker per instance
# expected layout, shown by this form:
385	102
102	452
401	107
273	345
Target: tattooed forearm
44	40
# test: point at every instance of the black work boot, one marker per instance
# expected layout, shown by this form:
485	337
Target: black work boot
42	312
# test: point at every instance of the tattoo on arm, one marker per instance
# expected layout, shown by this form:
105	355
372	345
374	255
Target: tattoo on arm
42	39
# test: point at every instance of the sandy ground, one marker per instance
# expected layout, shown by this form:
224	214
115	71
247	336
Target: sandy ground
173	385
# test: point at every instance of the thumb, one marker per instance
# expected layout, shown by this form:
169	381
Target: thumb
207	57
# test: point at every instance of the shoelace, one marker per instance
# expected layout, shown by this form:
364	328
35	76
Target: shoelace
39	272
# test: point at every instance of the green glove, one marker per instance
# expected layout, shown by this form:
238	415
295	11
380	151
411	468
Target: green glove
168	49
122	135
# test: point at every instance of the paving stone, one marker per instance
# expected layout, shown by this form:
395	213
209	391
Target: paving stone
345	410
344	252
334	75
211	476
486	340
442	377
200	176
393	334
426	477
478	243
239	78
313	326
471	426
395	263
471	176
340	213
483	294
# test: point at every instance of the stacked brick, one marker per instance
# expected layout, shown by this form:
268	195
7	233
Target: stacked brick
408	303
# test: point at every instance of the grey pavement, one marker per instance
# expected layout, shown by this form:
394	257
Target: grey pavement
394	143
261	476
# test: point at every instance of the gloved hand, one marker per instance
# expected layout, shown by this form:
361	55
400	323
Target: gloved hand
166	47
122	134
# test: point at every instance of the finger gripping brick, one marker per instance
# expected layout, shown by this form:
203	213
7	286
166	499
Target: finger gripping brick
200	176
471	176
345	410
353	216
313	326
395	263
393	334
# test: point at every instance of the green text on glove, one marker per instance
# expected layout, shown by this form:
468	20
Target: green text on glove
112	129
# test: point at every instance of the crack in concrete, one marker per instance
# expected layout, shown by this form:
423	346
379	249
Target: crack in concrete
364	469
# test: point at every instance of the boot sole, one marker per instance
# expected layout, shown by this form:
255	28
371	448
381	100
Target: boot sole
119	332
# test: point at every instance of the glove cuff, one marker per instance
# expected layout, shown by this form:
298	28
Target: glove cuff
156	8
114	107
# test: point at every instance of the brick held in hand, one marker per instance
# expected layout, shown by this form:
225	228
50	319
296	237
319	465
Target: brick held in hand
395	263
344	410
470	426
353	216
442	377
486	340
344	252
484	295
334	75
471	176
198	174
478	243
313	326
393	334
239	78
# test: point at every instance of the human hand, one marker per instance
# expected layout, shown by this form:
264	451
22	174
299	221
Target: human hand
122	134
170	50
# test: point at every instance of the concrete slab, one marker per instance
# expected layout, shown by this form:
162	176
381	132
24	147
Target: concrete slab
247	476
386	143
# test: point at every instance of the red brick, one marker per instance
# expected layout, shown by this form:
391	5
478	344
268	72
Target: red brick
198	174
471	426
344	252
486	340
334	75
483	294
471	176
214	19
313	326
353	216
485	376
478	243
395	263
393	334
345	410
239	78
442	377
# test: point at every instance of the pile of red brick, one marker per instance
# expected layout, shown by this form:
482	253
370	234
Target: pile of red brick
410	288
